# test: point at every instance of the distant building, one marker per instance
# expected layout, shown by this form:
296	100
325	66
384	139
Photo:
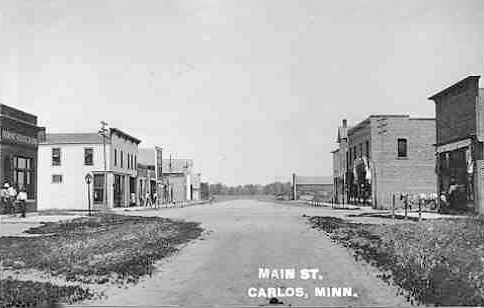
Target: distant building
390	154
204	191
311	187
65	159
459	147
19	140
177	179
340	164
196	187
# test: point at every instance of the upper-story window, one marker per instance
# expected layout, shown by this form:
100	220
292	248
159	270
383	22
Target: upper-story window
367	148
132	161
121	158
128	161
56	157
402	147
115	157
88	156
361	149
135	163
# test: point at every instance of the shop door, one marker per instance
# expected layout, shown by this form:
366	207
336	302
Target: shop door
118	190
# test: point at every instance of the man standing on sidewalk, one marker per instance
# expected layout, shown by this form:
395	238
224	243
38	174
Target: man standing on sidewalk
5	207
22	199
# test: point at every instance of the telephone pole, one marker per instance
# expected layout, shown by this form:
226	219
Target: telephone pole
103	131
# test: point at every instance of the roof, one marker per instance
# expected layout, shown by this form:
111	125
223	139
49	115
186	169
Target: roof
454	86
315	180
74	138
124	135
367	120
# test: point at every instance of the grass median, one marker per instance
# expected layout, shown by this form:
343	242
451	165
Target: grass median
105	248
438	262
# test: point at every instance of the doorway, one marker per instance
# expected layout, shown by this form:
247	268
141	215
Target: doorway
118	190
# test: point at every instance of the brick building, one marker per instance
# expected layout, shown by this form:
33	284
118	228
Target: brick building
312	187
19	141
459	142
340	165
388	154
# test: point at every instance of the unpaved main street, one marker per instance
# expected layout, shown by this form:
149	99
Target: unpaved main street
243	235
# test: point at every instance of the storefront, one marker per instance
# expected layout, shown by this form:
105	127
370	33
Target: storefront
455	171
18	151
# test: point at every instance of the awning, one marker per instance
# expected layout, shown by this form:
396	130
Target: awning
453	146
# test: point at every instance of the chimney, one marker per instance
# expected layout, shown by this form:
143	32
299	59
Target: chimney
345	122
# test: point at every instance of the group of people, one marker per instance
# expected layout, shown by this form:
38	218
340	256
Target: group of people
11	199
150	200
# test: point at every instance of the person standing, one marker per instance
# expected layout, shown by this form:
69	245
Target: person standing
12	196
22	199
148	199
4	198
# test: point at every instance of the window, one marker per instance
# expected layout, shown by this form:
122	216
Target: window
354	153
132	161
115	157
361	149
57	178
88	156
127	156
367	148
402	147
135	163
23	172
121	158
56	157
98	188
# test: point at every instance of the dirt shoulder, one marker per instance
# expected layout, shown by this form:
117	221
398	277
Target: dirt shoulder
84	253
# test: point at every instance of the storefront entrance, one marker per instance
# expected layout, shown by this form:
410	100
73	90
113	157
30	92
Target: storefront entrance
455	169
118	190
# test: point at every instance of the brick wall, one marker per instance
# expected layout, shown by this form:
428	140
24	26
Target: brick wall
414	174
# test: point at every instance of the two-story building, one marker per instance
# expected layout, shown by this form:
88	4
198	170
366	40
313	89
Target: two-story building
459	143
65	159
390	154
340	164
177	179
19	140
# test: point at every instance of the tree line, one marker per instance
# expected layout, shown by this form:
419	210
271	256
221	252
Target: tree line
275	188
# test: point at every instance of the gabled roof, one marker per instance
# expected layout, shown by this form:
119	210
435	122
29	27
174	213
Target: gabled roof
74	138
314	180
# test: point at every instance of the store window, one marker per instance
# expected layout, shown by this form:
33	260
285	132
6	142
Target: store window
23	172
57	178
367	148
88	156
56	157
402	147
98	184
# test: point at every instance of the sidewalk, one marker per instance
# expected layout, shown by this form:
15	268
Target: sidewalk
16	226
159	207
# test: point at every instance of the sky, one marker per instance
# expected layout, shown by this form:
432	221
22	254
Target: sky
252	90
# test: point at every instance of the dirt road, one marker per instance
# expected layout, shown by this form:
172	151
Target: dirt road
242	237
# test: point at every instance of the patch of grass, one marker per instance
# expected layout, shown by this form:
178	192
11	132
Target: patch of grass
436	262
17	293
98	249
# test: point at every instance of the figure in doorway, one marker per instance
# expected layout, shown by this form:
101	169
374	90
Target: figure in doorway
148	201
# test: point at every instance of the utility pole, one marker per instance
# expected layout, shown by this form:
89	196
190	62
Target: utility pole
103	131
